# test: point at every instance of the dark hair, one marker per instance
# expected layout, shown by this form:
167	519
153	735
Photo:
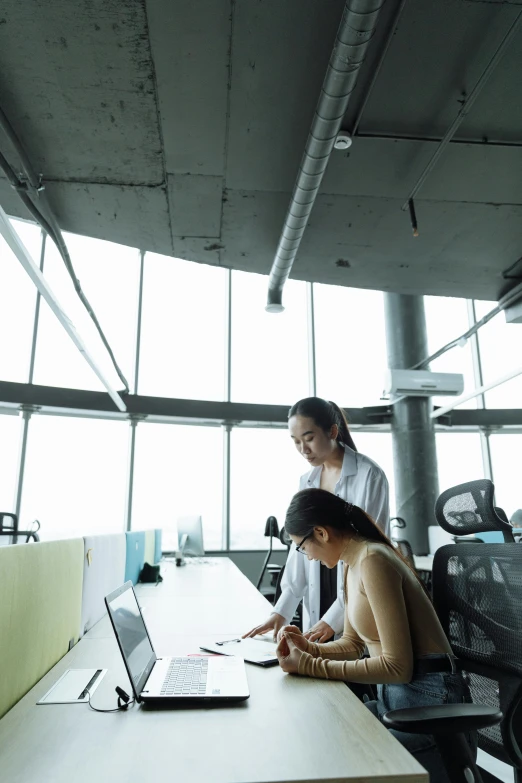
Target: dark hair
311	507
325	414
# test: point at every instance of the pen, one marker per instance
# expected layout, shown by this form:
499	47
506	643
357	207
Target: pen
228	641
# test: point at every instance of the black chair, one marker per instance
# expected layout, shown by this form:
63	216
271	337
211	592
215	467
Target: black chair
274	569
10	528
469	508
477	593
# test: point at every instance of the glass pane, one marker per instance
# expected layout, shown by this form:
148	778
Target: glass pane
378	446
109	276
269	351
265	469
75	476
500	351
459	458
446	319
506	458
9	450
183	329
17	305
178	471
350	345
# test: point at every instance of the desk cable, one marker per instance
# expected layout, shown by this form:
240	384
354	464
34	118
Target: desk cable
124	701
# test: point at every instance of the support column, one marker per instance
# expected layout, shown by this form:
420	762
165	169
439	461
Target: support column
414	453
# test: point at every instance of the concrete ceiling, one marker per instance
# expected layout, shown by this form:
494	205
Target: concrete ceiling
178	127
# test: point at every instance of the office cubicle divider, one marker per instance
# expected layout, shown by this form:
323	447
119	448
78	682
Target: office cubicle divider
135	557
52	593
103	571
40	611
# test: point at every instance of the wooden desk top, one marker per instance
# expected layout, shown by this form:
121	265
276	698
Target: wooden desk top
291	729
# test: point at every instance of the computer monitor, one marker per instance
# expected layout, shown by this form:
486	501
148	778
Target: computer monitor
190	536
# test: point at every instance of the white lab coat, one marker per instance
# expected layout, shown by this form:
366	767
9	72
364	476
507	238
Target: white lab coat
363	483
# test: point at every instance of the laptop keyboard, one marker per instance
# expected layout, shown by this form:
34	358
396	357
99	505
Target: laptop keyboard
186	677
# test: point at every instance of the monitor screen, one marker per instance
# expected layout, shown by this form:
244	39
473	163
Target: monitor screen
132	635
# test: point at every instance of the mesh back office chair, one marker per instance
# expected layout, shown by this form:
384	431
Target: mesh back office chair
478	597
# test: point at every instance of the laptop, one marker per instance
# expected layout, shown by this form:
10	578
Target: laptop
172	680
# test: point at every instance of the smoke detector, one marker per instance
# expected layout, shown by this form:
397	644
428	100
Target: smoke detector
343	141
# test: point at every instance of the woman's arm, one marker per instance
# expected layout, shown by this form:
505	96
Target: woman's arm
349	647
376	500
293	585
382	583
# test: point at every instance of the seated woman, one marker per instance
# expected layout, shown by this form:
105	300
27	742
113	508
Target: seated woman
386	609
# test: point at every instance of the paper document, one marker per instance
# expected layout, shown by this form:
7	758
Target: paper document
259	650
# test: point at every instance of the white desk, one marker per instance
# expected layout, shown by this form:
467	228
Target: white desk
423	562
291	729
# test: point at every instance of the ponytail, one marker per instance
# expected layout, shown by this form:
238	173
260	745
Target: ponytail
325	414
344	435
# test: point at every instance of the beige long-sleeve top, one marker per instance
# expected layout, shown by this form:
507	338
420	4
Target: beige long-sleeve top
387	610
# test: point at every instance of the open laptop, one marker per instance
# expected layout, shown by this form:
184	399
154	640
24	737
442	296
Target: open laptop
169	680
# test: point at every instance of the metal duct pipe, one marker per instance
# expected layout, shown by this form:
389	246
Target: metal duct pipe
355	32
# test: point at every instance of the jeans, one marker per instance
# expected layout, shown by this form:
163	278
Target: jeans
427	690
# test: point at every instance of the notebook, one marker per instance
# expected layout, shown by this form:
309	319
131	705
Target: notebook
260	650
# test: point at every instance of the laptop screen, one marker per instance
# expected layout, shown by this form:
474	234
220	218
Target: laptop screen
132	635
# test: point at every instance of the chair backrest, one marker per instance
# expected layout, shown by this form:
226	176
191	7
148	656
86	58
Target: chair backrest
477	591
469	508
405	549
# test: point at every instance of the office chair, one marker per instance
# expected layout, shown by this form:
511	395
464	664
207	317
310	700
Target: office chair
271	530
468	508
11	529
477	592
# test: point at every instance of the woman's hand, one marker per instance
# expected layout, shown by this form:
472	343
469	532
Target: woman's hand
289	652
288	629
274	623
320	632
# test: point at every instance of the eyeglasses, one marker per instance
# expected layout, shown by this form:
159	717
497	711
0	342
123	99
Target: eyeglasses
298	547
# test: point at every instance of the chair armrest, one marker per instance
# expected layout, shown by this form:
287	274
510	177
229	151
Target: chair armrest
443	718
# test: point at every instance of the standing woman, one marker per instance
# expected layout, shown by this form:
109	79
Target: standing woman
386	609
321	434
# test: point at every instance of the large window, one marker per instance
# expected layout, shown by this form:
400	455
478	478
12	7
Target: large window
178	471
75	476
459	457
17	305
506	456
500	351
183	329
269	351
446	319
9	448
77	470
350	351
264	475
108	274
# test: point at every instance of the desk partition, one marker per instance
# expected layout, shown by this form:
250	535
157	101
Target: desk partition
40	611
